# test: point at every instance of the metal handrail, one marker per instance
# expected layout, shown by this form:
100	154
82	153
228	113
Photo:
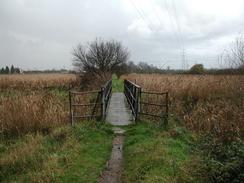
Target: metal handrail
132	92
102	100
106	95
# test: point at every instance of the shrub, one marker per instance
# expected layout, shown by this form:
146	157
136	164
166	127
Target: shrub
197	69
223	161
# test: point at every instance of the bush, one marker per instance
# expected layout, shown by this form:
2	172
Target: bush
197	69
90	81
223	162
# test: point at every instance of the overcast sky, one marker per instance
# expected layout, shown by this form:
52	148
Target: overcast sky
40	34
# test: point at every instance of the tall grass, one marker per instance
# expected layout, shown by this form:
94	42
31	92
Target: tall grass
36	81
39	102
206	103
33	102
34	112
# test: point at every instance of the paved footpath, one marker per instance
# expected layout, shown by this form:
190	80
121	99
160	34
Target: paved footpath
119	113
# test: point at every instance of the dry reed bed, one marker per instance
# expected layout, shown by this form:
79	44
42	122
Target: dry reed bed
36	81
38	102
34	112
205	102
28	102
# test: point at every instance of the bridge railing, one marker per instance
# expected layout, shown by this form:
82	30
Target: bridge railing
106	91
155	105
146	103
132	93
90	104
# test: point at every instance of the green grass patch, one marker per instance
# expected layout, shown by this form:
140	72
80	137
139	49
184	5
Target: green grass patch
155	155
117	84
67	154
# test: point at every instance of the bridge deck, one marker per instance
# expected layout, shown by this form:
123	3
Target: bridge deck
119	113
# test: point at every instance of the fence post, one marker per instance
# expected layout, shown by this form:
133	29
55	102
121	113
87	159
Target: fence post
70	109
124	86
167	107
103	104
134	101
136	95
139	102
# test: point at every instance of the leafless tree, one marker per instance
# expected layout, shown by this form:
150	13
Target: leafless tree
235	55
100	57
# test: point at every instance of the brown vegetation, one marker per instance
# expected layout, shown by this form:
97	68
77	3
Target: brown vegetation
33	102
34	112
206	103
36	81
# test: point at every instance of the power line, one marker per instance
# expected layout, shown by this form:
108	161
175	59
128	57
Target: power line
172	22
156	14
174	19
151	23
177	22
142	15
184	60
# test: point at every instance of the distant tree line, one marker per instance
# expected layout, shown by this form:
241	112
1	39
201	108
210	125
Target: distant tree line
199	69
144	67
11	70
99	59
49	71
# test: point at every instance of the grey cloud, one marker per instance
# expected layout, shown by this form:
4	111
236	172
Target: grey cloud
41	34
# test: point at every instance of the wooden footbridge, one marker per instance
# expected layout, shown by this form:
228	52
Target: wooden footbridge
118	108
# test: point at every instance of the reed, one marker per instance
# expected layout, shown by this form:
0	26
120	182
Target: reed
31	113
37	102
204	102
36	81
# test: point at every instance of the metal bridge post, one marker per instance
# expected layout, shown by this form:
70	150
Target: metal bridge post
139	102
70	109
167	107
103	104
136	95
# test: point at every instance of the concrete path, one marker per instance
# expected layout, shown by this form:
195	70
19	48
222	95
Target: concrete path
119	113
112	172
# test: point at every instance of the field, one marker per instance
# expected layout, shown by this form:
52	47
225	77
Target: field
212	108
203	142
204	103
33	102
65	154
36	81
37	143
156	155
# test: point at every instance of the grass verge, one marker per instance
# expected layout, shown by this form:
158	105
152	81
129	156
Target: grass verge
155	155
117	84
67	154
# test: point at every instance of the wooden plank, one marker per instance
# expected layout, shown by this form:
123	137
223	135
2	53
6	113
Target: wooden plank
154	115
133	83
86	116
155	93
160	105
89	104
86	92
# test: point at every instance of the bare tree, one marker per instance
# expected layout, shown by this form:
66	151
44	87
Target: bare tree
100	57
235	55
